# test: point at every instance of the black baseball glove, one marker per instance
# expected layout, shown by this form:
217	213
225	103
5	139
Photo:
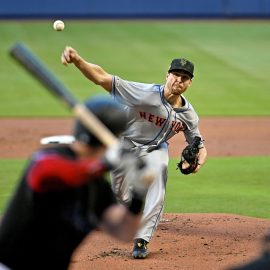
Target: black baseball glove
189	157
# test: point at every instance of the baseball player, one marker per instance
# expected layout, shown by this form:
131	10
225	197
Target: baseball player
63	195
156	113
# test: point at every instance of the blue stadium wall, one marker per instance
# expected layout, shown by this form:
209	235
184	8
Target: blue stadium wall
174	9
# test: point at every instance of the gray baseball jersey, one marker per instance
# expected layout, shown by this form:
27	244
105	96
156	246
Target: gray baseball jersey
152	122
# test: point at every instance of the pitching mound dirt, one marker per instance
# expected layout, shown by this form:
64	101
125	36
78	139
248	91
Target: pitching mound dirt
182	241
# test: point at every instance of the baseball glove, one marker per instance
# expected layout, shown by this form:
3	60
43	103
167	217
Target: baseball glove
189	157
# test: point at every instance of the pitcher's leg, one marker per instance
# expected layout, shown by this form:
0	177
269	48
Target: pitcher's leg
120	187
153	203
153	208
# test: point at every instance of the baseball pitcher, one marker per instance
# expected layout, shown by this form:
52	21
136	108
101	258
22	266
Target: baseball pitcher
156	113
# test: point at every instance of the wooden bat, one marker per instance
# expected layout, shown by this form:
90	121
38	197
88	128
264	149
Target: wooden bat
38	70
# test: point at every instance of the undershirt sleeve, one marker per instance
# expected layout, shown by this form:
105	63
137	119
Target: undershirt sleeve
54	172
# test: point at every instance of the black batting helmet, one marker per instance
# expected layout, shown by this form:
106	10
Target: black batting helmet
109	112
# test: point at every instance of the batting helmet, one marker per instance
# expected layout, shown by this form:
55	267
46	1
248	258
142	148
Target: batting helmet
109	112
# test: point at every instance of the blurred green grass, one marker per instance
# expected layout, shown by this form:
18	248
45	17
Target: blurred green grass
10	170
231	79
237	185
231	61
225	185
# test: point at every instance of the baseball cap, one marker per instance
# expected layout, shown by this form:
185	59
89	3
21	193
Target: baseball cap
183	65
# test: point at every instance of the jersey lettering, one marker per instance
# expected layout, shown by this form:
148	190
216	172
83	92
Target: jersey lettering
177	126
151	117
159	121
143	115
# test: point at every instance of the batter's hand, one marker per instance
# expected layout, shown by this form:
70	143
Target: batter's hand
114	156
69	56
138	173
140	176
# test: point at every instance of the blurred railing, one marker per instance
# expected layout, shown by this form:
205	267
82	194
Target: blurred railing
167	9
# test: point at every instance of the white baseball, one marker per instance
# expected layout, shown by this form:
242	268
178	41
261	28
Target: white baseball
58	25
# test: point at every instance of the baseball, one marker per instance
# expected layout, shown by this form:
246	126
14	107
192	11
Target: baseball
58	25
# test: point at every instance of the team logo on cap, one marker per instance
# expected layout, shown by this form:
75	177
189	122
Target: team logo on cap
183	62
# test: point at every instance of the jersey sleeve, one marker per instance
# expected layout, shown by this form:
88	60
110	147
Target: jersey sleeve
191	133
51	172
191	120
130	93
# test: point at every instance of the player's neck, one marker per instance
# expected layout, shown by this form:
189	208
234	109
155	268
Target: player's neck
175	101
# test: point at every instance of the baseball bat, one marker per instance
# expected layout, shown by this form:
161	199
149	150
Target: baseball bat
38	70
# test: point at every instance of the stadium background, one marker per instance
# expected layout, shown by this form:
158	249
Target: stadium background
136	9
229	42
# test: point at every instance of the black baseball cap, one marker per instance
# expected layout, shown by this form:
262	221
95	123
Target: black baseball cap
182	64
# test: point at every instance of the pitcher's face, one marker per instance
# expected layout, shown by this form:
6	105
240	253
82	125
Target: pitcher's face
177	82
